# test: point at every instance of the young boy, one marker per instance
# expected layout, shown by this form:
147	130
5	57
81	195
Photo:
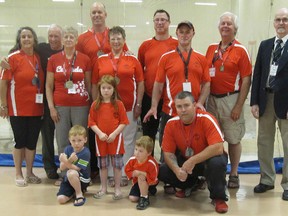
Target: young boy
75	160
143	169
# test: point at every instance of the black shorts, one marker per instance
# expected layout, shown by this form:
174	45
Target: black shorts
135	190
67	190
26	131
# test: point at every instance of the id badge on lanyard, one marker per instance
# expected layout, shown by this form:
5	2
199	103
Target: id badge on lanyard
187	86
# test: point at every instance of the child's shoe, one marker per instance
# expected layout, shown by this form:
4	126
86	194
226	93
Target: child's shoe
143	203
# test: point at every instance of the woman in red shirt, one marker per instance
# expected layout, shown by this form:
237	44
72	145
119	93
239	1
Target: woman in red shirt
21	88
68	84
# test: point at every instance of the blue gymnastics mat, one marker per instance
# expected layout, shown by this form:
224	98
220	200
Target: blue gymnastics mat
7	160
249	167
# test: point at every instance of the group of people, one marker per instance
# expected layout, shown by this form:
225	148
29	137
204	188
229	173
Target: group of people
94	81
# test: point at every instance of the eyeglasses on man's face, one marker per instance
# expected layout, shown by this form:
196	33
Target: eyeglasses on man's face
283	20
160	20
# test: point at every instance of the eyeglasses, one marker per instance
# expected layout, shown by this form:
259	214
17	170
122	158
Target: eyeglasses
162	20
284	20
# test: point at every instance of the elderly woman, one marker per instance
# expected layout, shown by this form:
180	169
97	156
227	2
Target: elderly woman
128	72
68	84
21	88
230	71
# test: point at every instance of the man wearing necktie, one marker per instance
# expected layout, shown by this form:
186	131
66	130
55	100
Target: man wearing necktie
269	102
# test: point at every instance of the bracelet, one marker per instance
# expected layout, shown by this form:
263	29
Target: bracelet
139	105
3	107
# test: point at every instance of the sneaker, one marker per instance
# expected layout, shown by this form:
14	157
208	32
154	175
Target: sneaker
184	193
168	189
220	205
152	190
143	203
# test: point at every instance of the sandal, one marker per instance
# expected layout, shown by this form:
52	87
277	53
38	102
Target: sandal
21	182
33	179
76	203
233	182
124	181
99	194
111	182
117	196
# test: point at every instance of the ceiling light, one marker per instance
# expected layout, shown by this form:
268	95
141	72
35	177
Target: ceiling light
43	26
2	1
131	1
206	3
5	26
63	0
128	26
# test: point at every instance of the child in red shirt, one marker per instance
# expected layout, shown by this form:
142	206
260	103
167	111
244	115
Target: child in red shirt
107	118
143	169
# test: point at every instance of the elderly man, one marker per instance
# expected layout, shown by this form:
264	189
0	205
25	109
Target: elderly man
193	146
230	70
269	101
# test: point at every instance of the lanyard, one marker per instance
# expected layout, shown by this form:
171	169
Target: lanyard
219	53
186	63
188	139
101	46
115	62
36	68
72	65
35	80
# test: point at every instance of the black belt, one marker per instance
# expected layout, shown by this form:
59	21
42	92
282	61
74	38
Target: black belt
224	95
269	90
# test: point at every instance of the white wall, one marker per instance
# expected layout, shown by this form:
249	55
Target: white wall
255	19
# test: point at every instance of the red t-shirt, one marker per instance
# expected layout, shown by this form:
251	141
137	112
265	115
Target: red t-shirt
237	65
59	65
107	120
202	132
149	54
129	71
21	93
150	166
88	45
171	72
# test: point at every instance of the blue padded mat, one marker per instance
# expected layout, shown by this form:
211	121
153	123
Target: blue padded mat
249	167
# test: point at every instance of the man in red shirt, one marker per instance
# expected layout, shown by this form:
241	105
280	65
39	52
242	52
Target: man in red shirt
149	54
193	146
95	42
182	69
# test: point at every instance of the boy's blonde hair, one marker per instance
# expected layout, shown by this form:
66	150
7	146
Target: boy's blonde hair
77	130
146	142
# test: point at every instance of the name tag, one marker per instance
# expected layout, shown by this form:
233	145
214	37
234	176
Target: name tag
212	72
39	98
273	70
72	90
187	86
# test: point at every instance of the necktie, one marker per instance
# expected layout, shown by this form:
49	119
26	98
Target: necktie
277	52
276	57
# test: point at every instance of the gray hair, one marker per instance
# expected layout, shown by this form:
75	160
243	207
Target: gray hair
71	30
55	27
233	17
